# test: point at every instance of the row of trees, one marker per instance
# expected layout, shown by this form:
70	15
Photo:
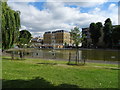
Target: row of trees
10	28
111	34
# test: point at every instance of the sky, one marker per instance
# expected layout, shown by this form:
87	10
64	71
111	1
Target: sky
49	15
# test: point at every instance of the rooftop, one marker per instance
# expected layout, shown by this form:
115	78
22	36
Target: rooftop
56	31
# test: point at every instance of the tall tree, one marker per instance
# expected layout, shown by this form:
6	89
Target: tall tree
107	29
0	24
99	27
10	26
92	29
24	38
95	30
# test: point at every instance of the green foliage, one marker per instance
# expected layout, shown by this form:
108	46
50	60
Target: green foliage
107	32
65	44
116	34
95	30
24	38
76	36
10	26
98	29
92	30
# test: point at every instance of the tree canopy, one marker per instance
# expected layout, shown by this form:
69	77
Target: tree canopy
10	26
116	34
95	30
76	36
24	37
107	29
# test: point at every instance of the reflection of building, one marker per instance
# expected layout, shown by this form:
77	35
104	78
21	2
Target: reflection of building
36	42
56	39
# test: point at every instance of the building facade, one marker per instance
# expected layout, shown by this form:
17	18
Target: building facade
47	38
56	39
87	40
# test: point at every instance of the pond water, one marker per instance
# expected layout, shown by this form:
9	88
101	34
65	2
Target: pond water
63	54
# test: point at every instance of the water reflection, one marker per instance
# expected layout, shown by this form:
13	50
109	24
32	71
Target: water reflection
106	55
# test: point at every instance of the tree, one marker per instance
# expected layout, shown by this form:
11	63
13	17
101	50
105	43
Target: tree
0	26
116	34
65	44
10	26
99	27
107	29
76	36
95	29
24	38
92	29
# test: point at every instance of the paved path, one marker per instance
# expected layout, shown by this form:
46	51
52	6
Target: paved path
90	61
102	61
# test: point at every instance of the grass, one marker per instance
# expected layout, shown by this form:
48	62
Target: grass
38	73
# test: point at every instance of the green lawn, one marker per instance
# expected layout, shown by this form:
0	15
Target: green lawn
37	73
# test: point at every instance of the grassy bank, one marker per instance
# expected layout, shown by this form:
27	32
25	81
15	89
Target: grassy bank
36	73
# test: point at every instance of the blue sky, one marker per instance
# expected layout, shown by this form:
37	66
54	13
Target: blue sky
38	17
40	6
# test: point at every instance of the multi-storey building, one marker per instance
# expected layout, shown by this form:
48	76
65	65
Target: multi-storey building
47	38
87	40
57	39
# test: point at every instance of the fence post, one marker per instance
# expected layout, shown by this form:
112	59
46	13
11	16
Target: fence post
76	56
69	57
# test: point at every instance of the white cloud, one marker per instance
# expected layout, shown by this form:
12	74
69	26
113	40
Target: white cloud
81	3
57	16
23	0
111	6
23	27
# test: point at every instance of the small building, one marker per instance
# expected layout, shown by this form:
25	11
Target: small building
37	42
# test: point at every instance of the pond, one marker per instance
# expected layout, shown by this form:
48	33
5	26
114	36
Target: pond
64	54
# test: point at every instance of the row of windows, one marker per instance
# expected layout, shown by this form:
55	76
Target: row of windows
56	38
61	41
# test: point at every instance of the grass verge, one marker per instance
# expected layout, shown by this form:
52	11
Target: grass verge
38	73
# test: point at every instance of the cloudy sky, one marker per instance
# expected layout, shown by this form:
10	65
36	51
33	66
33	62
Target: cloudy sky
47	15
